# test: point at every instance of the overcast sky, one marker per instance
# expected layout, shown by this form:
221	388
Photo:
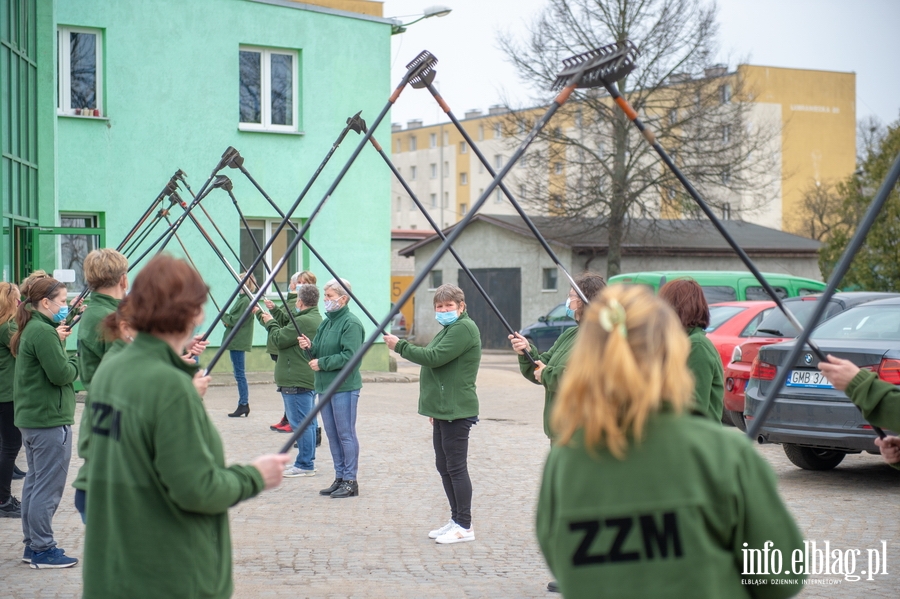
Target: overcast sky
836	35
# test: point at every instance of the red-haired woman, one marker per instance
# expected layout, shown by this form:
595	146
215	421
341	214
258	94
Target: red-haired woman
44	400
687	299
158	490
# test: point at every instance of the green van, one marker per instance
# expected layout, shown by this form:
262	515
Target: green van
726	286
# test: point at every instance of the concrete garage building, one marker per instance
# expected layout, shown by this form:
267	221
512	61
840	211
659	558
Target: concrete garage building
525	284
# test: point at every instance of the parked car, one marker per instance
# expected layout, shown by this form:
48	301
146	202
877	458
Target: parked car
727	286
544	332
732	322
775	328
398	325
815	423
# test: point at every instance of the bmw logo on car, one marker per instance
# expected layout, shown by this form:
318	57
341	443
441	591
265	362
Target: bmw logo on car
808	358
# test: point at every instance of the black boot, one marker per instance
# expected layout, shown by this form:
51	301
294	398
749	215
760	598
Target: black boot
18	474
242	410
552	586
334	487
349	488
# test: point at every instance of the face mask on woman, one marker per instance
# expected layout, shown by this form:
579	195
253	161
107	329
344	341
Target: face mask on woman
569	311
332	305
446	318
61	315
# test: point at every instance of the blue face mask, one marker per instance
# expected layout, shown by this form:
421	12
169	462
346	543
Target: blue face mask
61	315
446	318
569	311
332	305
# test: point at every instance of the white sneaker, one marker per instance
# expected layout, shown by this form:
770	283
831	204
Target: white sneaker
457	534
294	472
443	529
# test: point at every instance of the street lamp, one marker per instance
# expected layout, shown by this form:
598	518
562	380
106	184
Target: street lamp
432	11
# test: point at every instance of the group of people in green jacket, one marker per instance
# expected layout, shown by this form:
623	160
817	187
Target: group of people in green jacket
644	493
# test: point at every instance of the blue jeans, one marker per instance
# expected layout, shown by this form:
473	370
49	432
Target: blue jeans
237	364
339	419
297	407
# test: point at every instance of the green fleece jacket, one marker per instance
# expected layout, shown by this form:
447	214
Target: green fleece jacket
554	360
292	368
280	313
243	341
91	345
7	362
338	337
709	380
878	400
44	396
158	490
669	520
449	367
84	427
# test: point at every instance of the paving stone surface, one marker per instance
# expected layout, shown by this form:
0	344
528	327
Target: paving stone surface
291	542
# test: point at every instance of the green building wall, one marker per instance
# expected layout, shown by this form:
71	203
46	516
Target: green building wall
170	101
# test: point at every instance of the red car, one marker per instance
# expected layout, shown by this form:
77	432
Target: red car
775	328
731	323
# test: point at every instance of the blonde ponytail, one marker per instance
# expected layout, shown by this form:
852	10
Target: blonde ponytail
622	370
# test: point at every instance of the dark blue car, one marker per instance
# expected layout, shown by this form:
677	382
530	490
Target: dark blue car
548	328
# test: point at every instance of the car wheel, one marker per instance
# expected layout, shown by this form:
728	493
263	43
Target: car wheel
810	458
737	418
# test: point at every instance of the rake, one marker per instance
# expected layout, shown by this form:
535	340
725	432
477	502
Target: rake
624	55
418	68
572	82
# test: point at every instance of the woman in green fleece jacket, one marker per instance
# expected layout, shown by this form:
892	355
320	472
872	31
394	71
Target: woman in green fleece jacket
447	396
44	401
639	499
552	363
687	299
158	489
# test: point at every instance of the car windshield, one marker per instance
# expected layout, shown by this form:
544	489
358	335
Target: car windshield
776	323
719	314
558	313
866	322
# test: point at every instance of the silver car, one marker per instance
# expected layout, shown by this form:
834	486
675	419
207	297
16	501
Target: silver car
815	423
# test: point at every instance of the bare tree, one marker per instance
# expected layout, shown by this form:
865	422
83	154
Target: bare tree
870	132
593	166
823	205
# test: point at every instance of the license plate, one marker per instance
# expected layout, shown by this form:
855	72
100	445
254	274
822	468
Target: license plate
812	379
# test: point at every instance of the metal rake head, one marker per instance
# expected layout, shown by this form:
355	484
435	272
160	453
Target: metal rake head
420	72
175	198
357	123
180	175
171	186
598	67
223	182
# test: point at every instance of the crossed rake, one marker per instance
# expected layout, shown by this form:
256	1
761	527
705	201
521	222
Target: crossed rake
600	67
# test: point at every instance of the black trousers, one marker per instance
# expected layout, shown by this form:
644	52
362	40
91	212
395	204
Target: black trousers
451	449
10	444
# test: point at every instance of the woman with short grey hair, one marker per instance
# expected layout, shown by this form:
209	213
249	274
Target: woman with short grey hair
337	339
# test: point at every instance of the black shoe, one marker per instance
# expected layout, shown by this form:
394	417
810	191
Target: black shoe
11	508
349	488
553	586
18	474
242	410
334	487
318	436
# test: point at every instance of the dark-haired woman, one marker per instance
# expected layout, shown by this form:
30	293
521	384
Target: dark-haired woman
10	437
552	363
44	401
687	299
158	490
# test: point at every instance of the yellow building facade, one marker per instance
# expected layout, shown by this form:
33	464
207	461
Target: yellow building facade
815	112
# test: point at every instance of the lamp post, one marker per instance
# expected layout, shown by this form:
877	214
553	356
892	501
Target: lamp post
398	26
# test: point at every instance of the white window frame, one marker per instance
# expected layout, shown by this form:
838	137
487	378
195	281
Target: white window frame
413	143
64	62
432	140
433	170
412	173
464	178
265	92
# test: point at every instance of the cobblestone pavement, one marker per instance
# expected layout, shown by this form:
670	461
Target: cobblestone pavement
292	542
